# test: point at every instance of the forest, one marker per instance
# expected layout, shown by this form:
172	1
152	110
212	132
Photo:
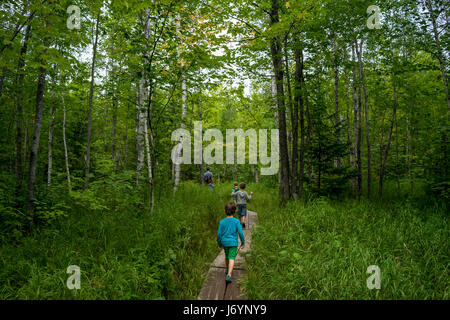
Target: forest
92	91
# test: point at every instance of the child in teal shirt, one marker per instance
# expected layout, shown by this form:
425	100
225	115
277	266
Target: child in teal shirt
227	237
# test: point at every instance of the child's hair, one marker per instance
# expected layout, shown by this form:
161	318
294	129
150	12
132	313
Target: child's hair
242	185
236	183
230	208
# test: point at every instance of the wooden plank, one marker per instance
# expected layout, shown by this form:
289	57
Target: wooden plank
233	290
214	285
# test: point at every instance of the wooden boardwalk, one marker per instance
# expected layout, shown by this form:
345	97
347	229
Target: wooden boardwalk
215	287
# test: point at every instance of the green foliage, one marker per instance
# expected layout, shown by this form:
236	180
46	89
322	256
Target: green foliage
122	253
321	250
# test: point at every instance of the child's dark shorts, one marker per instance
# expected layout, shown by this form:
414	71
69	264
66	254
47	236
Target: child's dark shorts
242	210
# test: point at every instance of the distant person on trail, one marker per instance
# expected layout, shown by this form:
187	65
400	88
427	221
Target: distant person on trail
241	199
235	188
208	178
227	238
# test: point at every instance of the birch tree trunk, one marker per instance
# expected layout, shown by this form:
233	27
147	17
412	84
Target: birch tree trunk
19	109
150	169
142	98
140	123
440	55
66	154
91	96
177	167
36	137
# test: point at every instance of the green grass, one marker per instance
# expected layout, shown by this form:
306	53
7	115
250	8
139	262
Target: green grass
315	250
321	250
123	254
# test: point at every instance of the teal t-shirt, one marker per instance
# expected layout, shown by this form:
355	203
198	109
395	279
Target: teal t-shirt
227	234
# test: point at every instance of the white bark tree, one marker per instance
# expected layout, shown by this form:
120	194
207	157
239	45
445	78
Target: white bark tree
177	167
66	156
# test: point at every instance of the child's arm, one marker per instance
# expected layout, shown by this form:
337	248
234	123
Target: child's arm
219	236
241	234
248	196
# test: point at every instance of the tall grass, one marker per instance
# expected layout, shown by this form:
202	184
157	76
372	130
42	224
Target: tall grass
122	254
321	250
308	250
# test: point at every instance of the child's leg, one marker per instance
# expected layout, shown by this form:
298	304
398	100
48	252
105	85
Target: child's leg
227	261
231	256
230	266
244	214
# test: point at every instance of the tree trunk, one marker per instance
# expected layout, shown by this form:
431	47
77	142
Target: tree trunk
336	96
299	105
149	169
440	56
294	122
36	137
113	131
355	122
66	153
358	146
142	98
348	111
276	53
125	140
308	139
91	96
140	121
114	103
394	111
19	110
50	137
275	107
202	170
183	111
366	110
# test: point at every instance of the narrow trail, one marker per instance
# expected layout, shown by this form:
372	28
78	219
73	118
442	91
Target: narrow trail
215	287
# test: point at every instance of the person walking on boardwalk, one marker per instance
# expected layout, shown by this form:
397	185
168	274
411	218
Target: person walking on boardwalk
227	238
208	178
241	199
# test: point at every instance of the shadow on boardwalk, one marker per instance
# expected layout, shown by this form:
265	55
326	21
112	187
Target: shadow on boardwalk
215	287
